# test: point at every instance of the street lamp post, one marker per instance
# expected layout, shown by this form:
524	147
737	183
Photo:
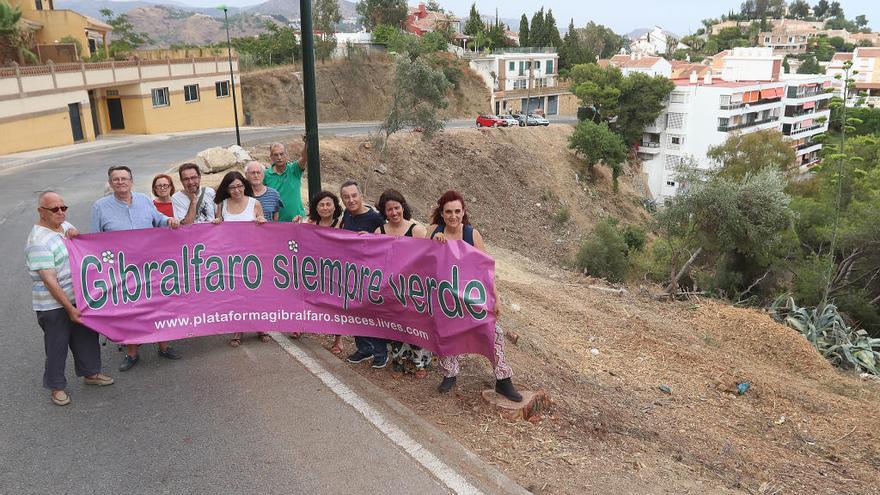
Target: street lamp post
231	74
310	100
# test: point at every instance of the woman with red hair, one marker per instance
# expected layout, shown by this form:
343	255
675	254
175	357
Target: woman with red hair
450	223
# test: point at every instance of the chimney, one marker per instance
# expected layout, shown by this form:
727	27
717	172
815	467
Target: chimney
694	78
707	79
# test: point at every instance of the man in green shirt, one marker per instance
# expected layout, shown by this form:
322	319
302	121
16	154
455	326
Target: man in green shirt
286	178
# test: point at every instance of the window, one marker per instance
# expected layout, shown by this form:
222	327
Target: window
519	84
191	93
160	97
676	140
538	64
222	88
39	4
766	39
512	66
549	67
522	68
678	98
670	183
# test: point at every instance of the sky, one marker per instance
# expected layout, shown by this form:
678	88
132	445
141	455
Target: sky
678	16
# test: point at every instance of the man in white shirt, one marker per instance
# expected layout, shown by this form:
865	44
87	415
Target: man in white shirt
193	204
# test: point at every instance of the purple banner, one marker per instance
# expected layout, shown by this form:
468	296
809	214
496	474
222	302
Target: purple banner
152	285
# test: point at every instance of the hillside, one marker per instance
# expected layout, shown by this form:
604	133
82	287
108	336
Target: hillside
167	25
290	8
355	90
802	426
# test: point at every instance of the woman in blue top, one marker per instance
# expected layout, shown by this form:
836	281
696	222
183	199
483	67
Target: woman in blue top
450	222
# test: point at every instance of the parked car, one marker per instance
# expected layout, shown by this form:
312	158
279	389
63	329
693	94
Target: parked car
532	119
490	121
509	120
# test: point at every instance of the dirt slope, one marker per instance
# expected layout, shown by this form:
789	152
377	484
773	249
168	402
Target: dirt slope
348	91
802	427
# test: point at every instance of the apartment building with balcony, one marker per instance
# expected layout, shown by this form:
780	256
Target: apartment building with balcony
866	62
525	80
750	95
59	104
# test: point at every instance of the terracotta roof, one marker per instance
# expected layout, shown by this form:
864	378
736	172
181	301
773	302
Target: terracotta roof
842	56
627	62
682	70
602	62
868	52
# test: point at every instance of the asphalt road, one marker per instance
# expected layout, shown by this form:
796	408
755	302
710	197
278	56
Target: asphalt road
221	420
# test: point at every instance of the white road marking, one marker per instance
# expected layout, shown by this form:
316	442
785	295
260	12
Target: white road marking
429	461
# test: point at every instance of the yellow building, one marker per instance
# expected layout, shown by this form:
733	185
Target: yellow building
58	104
50	26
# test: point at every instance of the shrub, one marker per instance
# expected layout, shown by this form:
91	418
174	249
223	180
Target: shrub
561	217
634	236
603	254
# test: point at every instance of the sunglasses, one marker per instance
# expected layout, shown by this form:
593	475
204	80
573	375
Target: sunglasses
56	209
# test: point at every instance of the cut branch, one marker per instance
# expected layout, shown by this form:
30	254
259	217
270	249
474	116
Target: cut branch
673	285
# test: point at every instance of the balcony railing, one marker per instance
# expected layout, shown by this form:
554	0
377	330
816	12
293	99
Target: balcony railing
727	128
806	145
734	106
649	144
806	129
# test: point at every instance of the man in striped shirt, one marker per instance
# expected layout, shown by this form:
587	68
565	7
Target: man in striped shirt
53	301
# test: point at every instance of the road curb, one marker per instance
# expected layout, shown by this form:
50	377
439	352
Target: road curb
450	451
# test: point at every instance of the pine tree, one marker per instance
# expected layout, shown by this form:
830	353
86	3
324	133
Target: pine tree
524	31
474	23
537	34
551	31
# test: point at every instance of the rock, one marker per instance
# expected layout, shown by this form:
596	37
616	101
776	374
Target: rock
594	351
381	169
241	155
213	160
532	405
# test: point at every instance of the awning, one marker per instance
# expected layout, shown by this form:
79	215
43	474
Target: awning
768	94
751	96
809	104
826	84
806	123
780	92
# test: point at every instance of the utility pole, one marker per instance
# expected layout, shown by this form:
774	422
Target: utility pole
231	75
310	101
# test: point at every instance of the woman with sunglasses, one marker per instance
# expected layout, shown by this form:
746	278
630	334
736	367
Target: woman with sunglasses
235	203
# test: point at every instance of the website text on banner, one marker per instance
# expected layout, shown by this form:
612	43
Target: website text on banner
153	285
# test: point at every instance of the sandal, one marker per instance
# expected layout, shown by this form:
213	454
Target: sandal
264	337
235	342
60	398
336	348
421	373
294	335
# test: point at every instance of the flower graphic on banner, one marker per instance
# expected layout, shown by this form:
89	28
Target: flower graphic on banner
107	256
293	246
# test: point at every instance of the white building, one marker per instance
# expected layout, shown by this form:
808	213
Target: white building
522	79
751	95
654	42
633	62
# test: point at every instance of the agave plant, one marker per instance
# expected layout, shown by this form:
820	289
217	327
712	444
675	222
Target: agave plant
826	329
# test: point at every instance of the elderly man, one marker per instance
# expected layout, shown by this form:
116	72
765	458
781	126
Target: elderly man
359	218
286	178
268	197
127	210
53	301
193	204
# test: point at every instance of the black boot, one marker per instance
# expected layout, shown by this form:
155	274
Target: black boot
446	385
505	388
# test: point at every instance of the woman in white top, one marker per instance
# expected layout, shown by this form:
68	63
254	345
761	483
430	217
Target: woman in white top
236	203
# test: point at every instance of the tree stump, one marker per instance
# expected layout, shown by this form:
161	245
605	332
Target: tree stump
531	407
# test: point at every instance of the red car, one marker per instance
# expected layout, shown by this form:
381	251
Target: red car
490	121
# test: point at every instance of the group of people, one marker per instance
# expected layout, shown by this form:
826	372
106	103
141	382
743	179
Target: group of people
260	195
